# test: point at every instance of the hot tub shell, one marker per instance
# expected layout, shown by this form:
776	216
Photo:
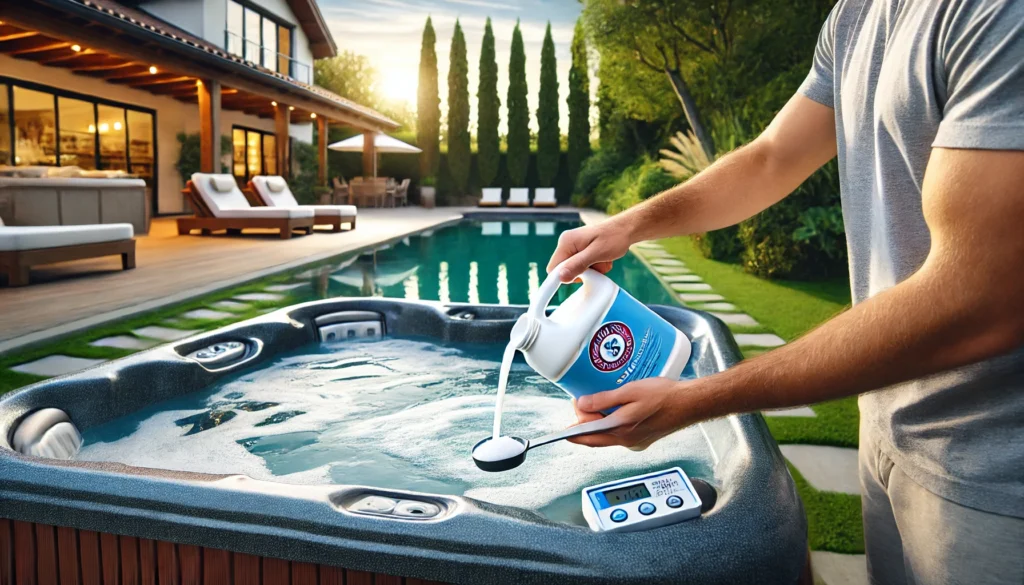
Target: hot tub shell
70	521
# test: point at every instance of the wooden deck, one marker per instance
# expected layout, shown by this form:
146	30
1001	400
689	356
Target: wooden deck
71	296
74	296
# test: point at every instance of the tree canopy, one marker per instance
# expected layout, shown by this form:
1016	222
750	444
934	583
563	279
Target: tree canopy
428	127
518	112
548	134
579	103
488	106
458	111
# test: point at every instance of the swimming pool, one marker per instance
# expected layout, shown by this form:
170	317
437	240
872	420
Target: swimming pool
499	260
201	494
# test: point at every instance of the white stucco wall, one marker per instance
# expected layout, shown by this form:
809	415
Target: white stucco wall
172	117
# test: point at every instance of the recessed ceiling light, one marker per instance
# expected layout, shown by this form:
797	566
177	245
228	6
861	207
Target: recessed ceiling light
313	115
273	104
291	108
117	125
76	48
104	127
152	69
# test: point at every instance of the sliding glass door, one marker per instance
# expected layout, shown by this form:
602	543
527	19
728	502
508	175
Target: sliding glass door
254	153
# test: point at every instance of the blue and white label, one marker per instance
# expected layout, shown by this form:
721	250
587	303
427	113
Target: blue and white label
632	343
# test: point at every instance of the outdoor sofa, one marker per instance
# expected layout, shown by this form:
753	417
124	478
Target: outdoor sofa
273	191
22	247
220	205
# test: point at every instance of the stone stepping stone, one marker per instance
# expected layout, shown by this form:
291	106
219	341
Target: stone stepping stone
124	342
699	297
259	296
285	287
648	245
831	568
758	339
656	253
666	262
230	305
718	307
208	314
164	333
827	469
800	411
741	319
681	278
690	286
56	365
672	270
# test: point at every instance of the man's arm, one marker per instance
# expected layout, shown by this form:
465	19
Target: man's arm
960	307
799	140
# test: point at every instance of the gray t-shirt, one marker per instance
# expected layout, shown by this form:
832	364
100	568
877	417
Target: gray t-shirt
905	76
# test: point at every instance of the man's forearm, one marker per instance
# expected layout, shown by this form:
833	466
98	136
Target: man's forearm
923	326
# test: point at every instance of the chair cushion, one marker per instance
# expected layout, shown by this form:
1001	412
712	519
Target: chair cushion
265	190
338	210
544	195
219	192
519	195
256	212
34	237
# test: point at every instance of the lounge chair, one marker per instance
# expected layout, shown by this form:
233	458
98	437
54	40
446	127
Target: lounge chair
220	205
544	197
273	191
491	197
519	198
22	247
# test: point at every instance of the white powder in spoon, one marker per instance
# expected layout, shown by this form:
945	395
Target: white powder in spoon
498	449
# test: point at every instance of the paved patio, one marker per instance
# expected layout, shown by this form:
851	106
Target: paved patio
72	296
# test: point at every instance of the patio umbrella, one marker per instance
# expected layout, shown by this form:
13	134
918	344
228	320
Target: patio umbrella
383	143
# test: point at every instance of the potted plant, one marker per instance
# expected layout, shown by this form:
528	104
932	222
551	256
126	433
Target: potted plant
322	194
427	192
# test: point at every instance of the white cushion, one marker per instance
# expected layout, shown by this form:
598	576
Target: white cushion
519	195
491	195
545	195
276	184
65	172
339	210
34	237
280	198
220	193
289	212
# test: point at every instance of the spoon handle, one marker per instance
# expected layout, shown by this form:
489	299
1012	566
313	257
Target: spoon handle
595	426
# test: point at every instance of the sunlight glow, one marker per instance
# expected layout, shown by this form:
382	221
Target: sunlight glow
396	85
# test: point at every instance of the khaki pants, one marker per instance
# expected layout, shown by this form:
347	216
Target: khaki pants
914	537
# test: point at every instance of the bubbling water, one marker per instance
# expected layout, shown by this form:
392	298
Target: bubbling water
394	414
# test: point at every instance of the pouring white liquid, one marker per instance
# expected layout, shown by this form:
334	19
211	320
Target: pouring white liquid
506	367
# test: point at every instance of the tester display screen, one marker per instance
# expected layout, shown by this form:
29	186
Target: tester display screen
627	494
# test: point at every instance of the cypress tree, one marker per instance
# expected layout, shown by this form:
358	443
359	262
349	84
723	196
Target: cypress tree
458	111
488	143
548	135
518	113
428	119
579	104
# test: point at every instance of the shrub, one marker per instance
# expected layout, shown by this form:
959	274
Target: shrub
723	244
642	180
305	183
606	163
190	153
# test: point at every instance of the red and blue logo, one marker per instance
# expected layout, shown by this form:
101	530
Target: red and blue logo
611	347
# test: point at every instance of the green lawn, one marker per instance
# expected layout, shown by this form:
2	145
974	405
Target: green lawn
789	309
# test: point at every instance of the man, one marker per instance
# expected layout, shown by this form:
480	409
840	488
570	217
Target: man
923	101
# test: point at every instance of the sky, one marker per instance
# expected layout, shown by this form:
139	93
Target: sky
390	33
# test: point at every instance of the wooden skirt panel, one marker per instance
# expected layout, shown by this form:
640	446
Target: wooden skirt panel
39	554
240	223
39	256
335	221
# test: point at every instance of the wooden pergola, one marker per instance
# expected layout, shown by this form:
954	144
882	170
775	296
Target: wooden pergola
123	46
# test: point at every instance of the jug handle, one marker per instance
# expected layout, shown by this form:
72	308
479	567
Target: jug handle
550	286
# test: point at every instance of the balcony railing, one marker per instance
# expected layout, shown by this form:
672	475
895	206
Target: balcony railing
271	59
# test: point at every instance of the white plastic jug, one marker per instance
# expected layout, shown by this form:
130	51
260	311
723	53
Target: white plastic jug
598	339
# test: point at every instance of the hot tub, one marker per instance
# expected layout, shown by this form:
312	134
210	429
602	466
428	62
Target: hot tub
210	520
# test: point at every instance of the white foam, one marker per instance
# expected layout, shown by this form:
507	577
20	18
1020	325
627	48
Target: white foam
395	414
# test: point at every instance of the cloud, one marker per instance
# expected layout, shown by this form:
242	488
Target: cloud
483	4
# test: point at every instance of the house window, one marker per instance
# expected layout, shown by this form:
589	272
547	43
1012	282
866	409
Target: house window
253	152
259	38
41	125
35	128
5	126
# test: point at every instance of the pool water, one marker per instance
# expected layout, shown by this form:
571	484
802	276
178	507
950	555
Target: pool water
395	413
500	262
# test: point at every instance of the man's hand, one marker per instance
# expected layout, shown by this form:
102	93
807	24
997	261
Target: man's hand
651	409
595	246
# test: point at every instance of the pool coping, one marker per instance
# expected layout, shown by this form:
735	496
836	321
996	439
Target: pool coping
37	338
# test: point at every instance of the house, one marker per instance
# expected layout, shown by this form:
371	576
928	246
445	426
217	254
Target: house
105	84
